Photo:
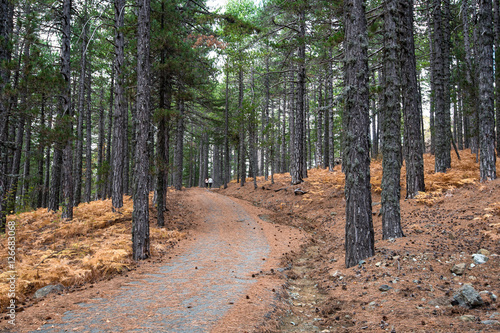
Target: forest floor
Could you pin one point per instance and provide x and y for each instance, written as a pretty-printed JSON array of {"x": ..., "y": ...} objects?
[
  {"x": 284, "y": 269},
  {"x": 408, "y": 286},
  {"x": 224, "y": 275}
]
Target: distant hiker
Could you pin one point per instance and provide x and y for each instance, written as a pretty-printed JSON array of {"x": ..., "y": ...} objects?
[
  {"x": 210, "y": 182},
  {"x": 206, "y": 182}
]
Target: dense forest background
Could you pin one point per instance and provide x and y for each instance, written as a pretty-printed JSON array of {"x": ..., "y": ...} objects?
[{"x": 105, "y": 99}]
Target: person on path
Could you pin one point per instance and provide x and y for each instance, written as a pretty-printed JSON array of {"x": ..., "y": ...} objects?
[
  {"x": 210, "y": 182},
  {"x": 206, "y": 182}
]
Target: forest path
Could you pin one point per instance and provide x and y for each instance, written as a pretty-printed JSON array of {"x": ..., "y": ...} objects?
[{"x": 209, "y": 276}]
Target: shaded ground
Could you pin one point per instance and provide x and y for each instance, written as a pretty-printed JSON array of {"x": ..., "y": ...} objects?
[
  {"x": 226, "y": 277},
  {"x": 458, "y": 217}
]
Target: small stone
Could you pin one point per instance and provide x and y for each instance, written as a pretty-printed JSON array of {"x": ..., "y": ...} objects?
[
  {"x": 467, "y": 318},
  {"x": 490, "y": 322},
  {"x": 473, "y": 278},
  {"x": 468, "y": 297},
  {"x": 458, "y": 269},
  {"x": 479, "y": 258},
  {"x": 384, "y": 287},
  {"x": 484, "y": 252},
  {"x": 492, "y": 296},
  {"x": 378, "y": 264},
  {"x": 42, "y": 292}
]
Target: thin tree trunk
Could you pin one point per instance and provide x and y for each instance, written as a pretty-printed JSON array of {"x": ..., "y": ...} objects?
[
  {"x": 67, "y": 114},
  {"x": 442, "y": 149},
  {"x": 227, "y": 164},
  {"x": 330, "y": 129},
  {"x": 88, "y": 141},
  {"x": 487, "y": 166},
  {"x": 412, "y": 126},
  {"x": 119, "y": 108},
  {"x": 242, "y": 146},
  {"x": 81, "y": 102},
  {"x": 38, "y": 198},
  {"x": 100, "y": 150},
  {"x": 179, "y": 147},
  {"x": 140, "y": 216},
  {"x": 497, "y": 69},
  {"x": 108, "y": 179},
  {"x": 6, "y": 27}
]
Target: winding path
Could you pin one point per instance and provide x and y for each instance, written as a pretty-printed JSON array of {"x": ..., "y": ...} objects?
[{"x": 193, "y": 290}]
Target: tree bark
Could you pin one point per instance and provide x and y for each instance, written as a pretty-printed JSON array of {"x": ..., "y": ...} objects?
[
  {"x": 67, "y": 114},
  {"x": 359, "y": 235},
  {"x": 88, "y": 140},
  {"x": 487, "y": 168},
  {"x": 242, "y": 143},
  {"x": 140, "y": 216},
  {"x": 391, "y": 131},
  {"x": 179, "y": 147},
  {"x": 100, "y": 150},
  {"x": 442, "y": 141},
  {"x": 6, "y": 26},
  {"x": 108, "y": 179},
  {"x": 497, "y": 69},
  {"x": 412, "y": 125},
  {"x": 119, "y": 107},
  {"x": 227, "y": 164}
]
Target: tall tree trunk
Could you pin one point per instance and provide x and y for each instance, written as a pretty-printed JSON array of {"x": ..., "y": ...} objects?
[
  {"x": 126, "y": 151},
  {"x": 140, "y": 216},
  {"x": 460, "y": 140},
  {"x": 108, "y": 179},
  {"x": 442, "y": 149},
  {"x": 227, "y": 162},
  {"x": 46, "y": 182},
  {"x": 319, "y": 128},
  {"x": 359, "y": 234},
  {"x": 497, "y": 69},
  {"x": 413, "y": 136},
  {"x": 301, "y": 100},
  {"x": 283, "y": 129},
  {"x": 6, "y": 26},
  {"x": 487, "y": 166},
  {"x": 432, "y": 96},
  {"x": 100, "y": 150},
  {"x": 160, "y": 166},
  {"x": 447, "y": 78},
  {"x": 81, "y": 111},
  {"x": 391, "y": 131},
  {"x": 67, "y": 114},
  {"x": 27, "y": 166},
  {"x": 469, "y": 98},
  {"x": 38, "y": 198},
  {"x": 119, "y": 107},
  {"x": 252, "y": 134},
  {"x": 88, "y": 140},
  {"x": 161, "y": 158},
  {"x": 242, "y": 145},
  {"x": 179, "y": 147},
  {"x": 16, "y": 160}
]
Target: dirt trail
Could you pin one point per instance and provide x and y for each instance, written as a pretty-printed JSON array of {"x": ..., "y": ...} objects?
[{"x": 219, "y": 280}]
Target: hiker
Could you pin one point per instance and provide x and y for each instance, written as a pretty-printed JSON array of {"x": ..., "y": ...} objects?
[
  {"x": 206, "y": 182},
  {"x": 210, "y": 182}
]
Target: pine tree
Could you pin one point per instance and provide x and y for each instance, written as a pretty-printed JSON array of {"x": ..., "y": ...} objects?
[
  {"x": 486, "y": 104},
  {"x": 140, "y": 217},
  {"x": 359, "y": 235}
]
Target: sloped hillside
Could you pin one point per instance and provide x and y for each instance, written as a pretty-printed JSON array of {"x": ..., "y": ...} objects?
[{"x": 409, "y": 285}]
